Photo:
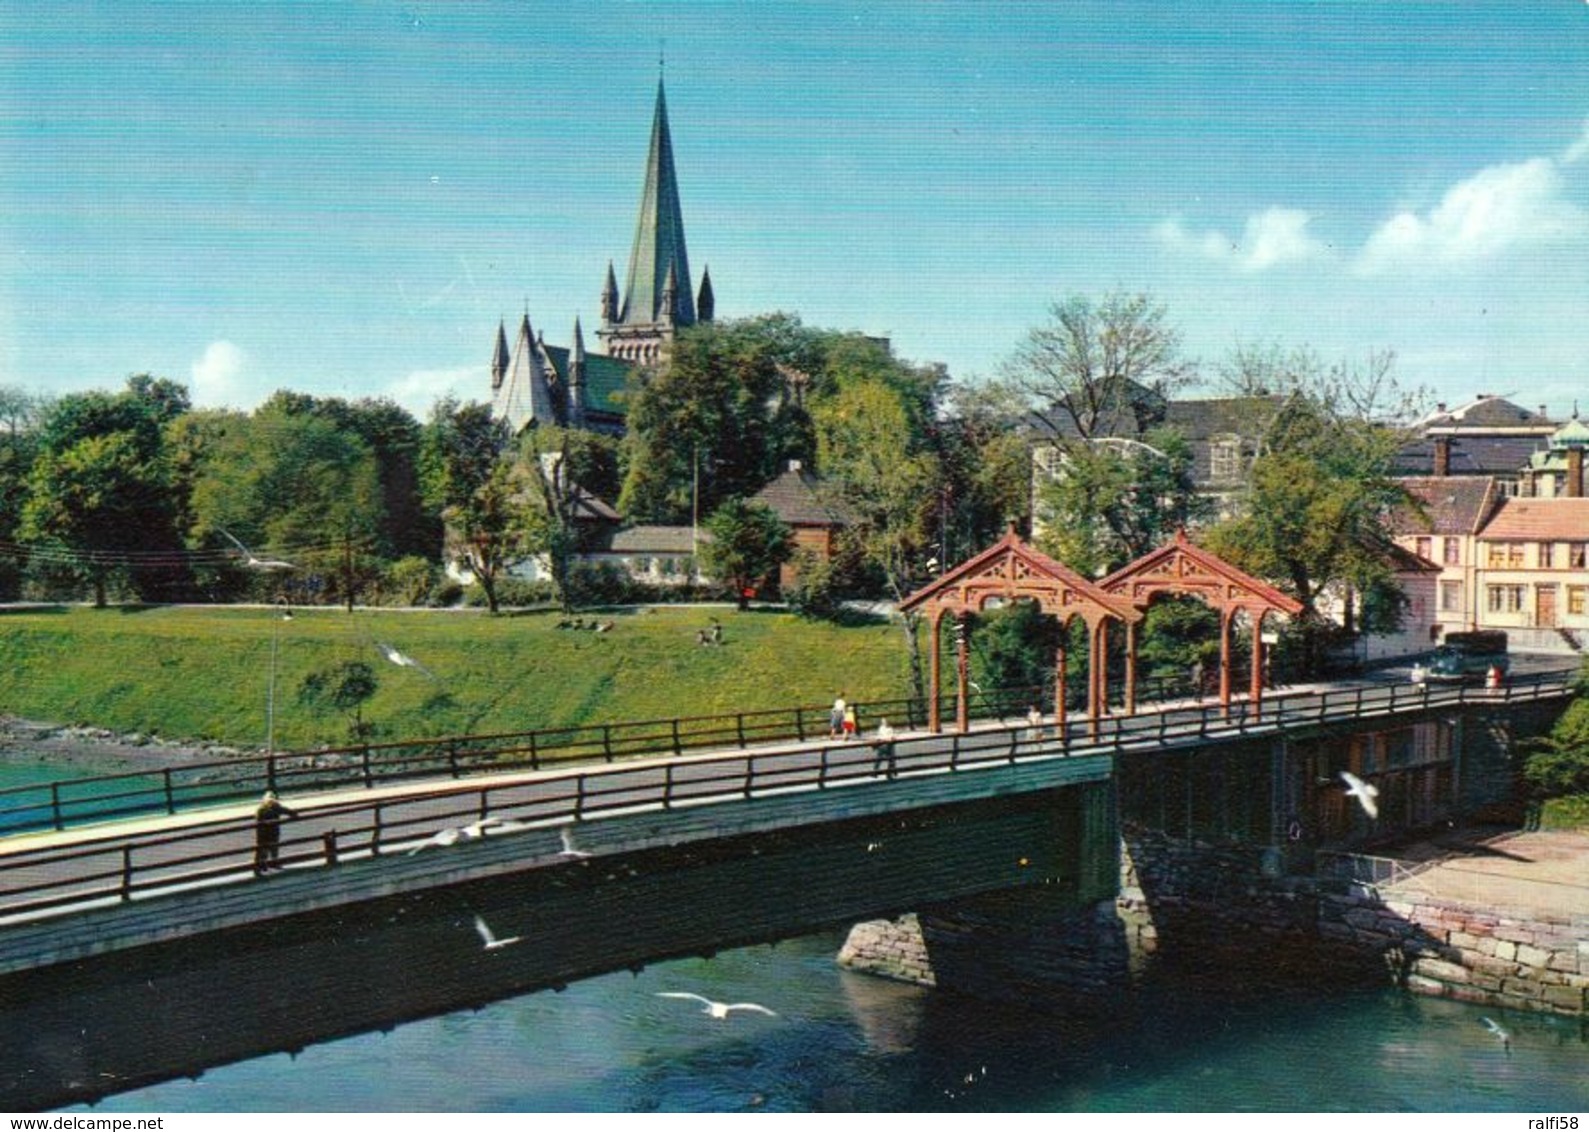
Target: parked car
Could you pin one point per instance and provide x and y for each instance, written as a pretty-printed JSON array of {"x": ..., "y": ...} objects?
[{"x": 1469, "y": 656}]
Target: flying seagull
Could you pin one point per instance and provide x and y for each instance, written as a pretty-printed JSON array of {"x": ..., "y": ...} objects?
[
  {"x": 1364, "y": 792},
  {"x": 401, "y": 659},
  {"x": 252, "y": 562},
  {"x": 1494, "y": 1028},
  {"x": 569, "y": 850},
  {"x": 489, "y": 937},
  {"x": 451, "y": 836},
  {"x": 719, "y": 1009}
]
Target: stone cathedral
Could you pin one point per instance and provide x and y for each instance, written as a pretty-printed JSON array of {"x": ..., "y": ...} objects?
[{"x": 535, "y": 382}]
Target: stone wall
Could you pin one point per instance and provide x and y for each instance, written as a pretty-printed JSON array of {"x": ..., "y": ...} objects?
[
  {"x": 1190, "y": 909},
  {"x": 1456, "y": 951}
]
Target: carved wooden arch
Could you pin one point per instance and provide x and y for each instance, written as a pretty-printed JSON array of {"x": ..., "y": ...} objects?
[
  {"x": 1012, "y": 570},
  {"x": 1182, "y": 567}
]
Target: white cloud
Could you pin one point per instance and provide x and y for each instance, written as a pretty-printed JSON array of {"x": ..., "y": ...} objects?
[
  {"x": 218, "y": 376},
  {"x": 1498, "y": 208},
  {"x": 1272, "y": 238},
  {"x": 1579, "y": 149},
  {"x": 419, "y": 390}
]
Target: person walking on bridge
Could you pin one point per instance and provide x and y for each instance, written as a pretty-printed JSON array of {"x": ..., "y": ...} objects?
[
  {"x": 883, "y": 750},
  {"x": 268, "y": 816},
  {"x": 836, "y": 718}
]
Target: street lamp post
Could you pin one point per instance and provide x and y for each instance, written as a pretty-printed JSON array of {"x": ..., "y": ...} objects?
[{"x": 283, "y": 612}]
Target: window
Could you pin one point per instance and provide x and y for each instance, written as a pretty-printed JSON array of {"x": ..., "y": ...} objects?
[
  {"x": 1450, "y": 597},
  {"x": 1575, "y": 555},
  {"x": 1453, "y": 552},
  {"x": 1505, "y": 599},
  {"x": 1424, "y": 547},
  {"x": 1224, "y": 458},
  {"x": 1578, "y": 599},
  {"x": 1547, "y": 555},
  {"x": 1505, "y": 555}
]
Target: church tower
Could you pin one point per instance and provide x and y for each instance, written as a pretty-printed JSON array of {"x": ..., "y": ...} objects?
[{"x": 657, "y": 299}]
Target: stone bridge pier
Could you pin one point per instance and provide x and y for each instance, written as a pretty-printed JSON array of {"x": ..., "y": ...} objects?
[{"x": 1225, "y": 869}]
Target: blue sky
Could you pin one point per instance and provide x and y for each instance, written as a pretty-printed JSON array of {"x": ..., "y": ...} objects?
[{"x": 345, "y": 198}]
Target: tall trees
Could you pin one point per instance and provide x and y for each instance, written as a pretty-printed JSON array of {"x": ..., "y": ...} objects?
[
  {"x": 290, "y": 479},
  {"x": 100, "y": 490},
  {"x": 885, "y": 475},
  {"x": 1316, "y": 508},
  {"x": 472, "y": 484},
  {"x": 1315, "y": 514},
  {"x": 1093, "y": 366},
  {"x": 748, "y": 543},
  {"x": 1096, "y": 378},
  {"x": 700, "y": 428},
  {"x": 1112, "y": 501},
  {"x": 19, "y": 413}
]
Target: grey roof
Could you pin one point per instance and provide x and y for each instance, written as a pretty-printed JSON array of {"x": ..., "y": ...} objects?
[
  {"x": 1485, "y": 411},
  {"x": 1476, "y": 455},
  {"x": 525, "y": 396},
  {"x": 592, "y": 508},
  {"x": 797, "y": 498},
  {"x": 659, "y": 236},
  {"x": 648, "y": 539},
  {"x": 1201, "y": 421}
]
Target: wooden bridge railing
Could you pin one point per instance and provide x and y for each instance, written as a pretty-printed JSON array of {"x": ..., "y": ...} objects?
[
  {"x": 70, "y": 802},
  {"x": 112, "y": 867}
]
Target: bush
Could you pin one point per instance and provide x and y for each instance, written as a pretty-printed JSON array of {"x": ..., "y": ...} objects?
[
  {"x": 813, "y": 593},
  {"x": 513, "y": 593},
  {"x": 408, "y": 581},
  {"x": 1560, "y": 762}
]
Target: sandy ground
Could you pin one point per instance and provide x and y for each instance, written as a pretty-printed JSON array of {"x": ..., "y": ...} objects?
[{"x": 1543, "y": 871}]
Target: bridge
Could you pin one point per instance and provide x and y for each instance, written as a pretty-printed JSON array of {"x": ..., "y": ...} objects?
[{"x": 596, "y": 865}]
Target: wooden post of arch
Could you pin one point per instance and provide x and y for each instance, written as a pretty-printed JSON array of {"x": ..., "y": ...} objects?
[
  {"x": 1255, "y": 685},
  {"x": 1225, "y": 616},
  {"x": 962, "y": 677},
  {"x": 934, "y": 714},
  {"x": 1059, "y": 685},
  {"x": 1097, "y": 675},
  {"x": 1131, "y": 668}
]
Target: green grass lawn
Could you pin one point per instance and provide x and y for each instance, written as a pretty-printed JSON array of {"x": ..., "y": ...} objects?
[{"x": 205, "y": 673}]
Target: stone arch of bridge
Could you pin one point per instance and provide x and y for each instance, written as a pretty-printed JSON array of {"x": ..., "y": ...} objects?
[
  {"x": 1183, "y": 568},
  {"x": 1011, "y": 570}
]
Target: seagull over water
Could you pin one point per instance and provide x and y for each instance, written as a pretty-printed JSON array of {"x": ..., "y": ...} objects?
[
  {"x": 1493, "y": 1027},
  {"x": 489, "y": 937},
  {"x": 569, "y": 850},
  {"x": 451, "y": 836},
  {"x": 719, "y": 1009},
  {"x": 1364, "y": 792}
]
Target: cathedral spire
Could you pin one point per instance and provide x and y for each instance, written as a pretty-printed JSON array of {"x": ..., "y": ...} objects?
[
  {"x": 576, "y": 378},
  {"x": 705, "y": 301},
  {"x": 500, "y": 359},
  {"x": 659, "y": 235},
  {"x": 609, "y": 298}
]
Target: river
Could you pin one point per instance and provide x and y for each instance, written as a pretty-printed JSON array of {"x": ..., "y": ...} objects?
[{"x": 846, "y": 1042}]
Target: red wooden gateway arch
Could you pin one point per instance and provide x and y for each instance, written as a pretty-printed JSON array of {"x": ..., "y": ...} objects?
[
  {"x": 1182, "y": 567},
  {"x": 1012, "y": 570}
]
